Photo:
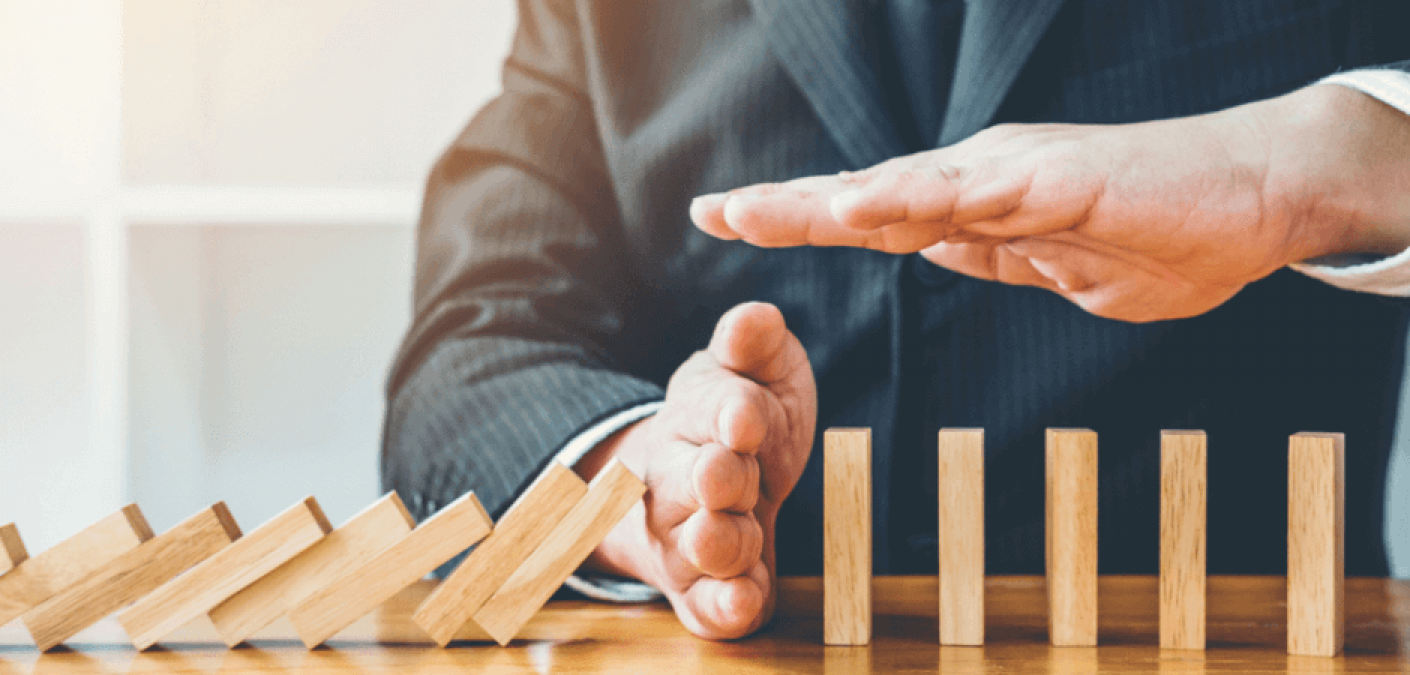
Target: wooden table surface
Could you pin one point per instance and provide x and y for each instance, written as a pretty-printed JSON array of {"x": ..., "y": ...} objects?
[{"x": 1247, "y": 632}]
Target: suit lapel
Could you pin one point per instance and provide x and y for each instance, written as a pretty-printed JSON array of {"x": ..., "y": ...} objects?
[
  {"x": 996, "y": 41},
  {"x": 821, "y": 45}
]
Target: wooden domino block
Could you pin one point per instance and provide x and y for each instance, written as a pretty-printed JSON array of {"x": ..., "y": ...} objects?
[
  {"x": 1316, "y": 544},
  {"x": 961, "y": 536},
  {"x": 847, "y": 604},
  {"x": 41, "y": 577},
  {"x": 1183, "y": 462},
  {"x": 1072, "y": 537},
  {"x": 12, "y": 551},
  {"x": 222, "y": 575},
  {"x": 609, "y": 497},
  {"x": 522, "y": 528},
  {"x": 332, "y": 608},
  {"x": 130, "y": 576},
  {"x": 352, "y": 544}
]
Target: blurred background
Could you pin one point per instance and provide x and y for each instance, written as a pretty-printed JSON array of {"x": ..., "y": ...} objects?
[{"x": 207, "y": 216}]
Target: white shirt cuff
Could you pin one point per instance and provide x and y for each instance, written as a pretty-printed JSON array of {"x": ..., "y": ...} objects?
[{"x": 1367, "y": 273}]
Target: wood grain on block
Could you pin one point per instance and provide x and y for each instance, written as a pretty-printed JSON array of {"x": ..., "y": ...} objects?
[
  {"x": 1183, "y": 475},
  {"x": 522, "y": 528},
  {"x": 1072, "y": 537},
  {"x": 358, "y": 591},
  {"x": 376, "y": 528},
  {"x": 44, "y": 575},
  {"x": 847, "y": 536},
  {"x": 609, "y": 497},
  {"x": 12, "y": 551},
  {"x": 131, "y": 575},
  {"x": 1316, "y": 544},
  {"x": 961, "y": 536}
]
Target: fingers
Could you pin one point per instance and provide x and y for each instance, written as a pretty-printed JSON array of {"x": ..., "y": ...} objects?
[
  {"x": 721, "y": 544},
  {"x": 752, "y": 340},
  {"x": 726, "y": 608},
  {"x": 724, "y": 480}
]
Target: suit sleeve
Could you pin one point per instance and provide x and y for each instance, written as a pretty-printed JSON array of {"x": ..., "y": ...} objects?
[{"x": 524, "y": 284}]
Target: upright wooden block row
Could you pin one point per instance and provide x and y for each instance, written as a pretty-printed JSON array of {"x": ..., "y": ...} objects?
[
  {"x": 612, "y": 493},
  {"x": 41, "y": 577},
  {"x": 847, "y": 604},
  {"x": 451, "y": 530},
  {"x": 1072, "y": 537},
  {"x": 130, "y": 576},
  {"x": 1183, "y": 462},
  {"x": 377, "y": 527},
  {"x": 225, "y": 573},
  {"x": 1316, "y": 544},
  {"x": 522, "y": 528},
  {"x": 12, "y": 551},
  {"x": 961, "y": 536}
]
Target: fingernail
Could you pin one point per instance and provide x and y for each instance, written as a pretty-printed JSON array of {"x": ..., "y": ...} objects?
[{"x": 709, "y": 201}]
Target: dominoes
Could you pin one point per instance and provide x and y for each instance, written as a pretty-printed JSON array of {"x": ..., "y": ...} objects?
[
  {"x": 847, "y": 604},
  {"x": 961, "y": 536},
  {"x": 1316, "y": 543},
  {"x": 456, "y": 527},
  {"x": 1183, "y": 463},
  {"x": 527, "y": 523},
  {"x": 12, "y": 551},
  {"x": 1072, "y": 537}
]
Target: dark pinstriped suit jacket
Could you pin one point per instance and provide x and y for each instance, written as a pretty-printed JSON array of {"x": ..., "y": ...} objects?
[{"x": 559, "y": 279}]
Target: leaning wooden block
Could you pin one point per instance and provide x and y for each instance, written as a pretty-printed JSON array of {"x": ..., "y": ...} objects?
[
  {"x": 1072, "y": 537},
  {"x": 12, "y": 550},
  {"x": 609, "y": 497},
  {"x": 131, "y": 575},
  {"x": 1316, "y": 544},
  {"x": 1183, "y": 472},
  {"x": 41, "y": 577},
  {"x": 847, "y": 605},
  {"x": 222, "y": 575},
  {"x": 522, "y": 528},
  {"x": 377, "y": 527},
  {"x": 346, "y": 599},
  {"x": 961, "y": 536}
]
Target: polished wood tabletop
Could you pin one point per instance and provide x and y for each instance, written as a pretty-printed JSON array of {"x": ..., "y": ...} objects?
[{"x": 1247, "y": 633}]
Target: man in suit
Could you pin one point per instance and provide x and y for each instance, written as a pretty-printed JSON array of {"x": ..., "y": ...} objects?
[{"x": 912, "y": 270}]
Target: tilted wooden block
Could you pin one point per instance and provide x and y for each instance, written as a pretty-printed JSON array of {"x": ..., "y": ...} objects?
[
  {"x": 1072, "y": 537},
  {"x": 41, "y": 577},
  {"x": 847, "y": 607},
  {"x": 522, "y": 528},
  {"x": 131, "y": 575},
  {"x": 609, "y": 497},
  {"x": 12, "y": 551},
  {"x": 1316, "y": 544},
  {"x": 961, "y": 536},
  {"x": 377, "y": 527},
  {"x": 220, "y": 576},
  {"x": 1183, "y": 474},
  {"x": 346, "y": 599}
]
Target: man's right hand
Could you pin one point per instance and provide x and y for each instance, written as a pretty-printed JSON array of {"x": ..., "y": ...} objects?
[{"x": 718, "y": 459}]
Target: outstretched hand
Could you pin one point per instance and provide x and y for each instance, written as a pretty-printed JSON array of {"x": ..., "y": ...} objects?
[{"x": 1139, "y": 222}]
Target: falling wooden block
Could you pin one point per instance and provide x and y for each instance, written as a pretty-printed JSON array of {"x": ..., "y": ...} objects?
[
  {"x": 349, "y": 597},
  {"x": 376, "y": 528},
  {"x": 609, "y": 497},
  {"x": 12, "y": 550},
  {"x": 847, "y": 536},
  {"x": 1072, "y": 537},
  {"x": 222, "y": 575},
  {"x": 1183, "y": 462},
  {"x": 1316, "y": 544},
  {"x": 131, "y": 575},
  {"x": 522, "y": 528},
  {"x": 961, "y": 536},
  {"x": 41, "y": 577}
]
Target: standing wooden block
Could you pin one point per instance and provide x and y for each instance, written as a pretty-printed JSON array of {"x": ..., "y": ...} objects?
[
  {"x": 12, "y": 550},
  {"x": 609, "y": 497},
  {"x": 41, "y": 577},
  {"x": 377, "y": 527},
  {"x": 349, "y": 597},
  {"x": 522, "y": 528},
  {"x": 961, "y": 536},
  {"x": 131, "y": 575},
  {"x": 1316, "y": 544},
  {"x": 1183, "y": 462},
  {"x": 847, "y": 536},
  {"x": 1072, "y": 537}
]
